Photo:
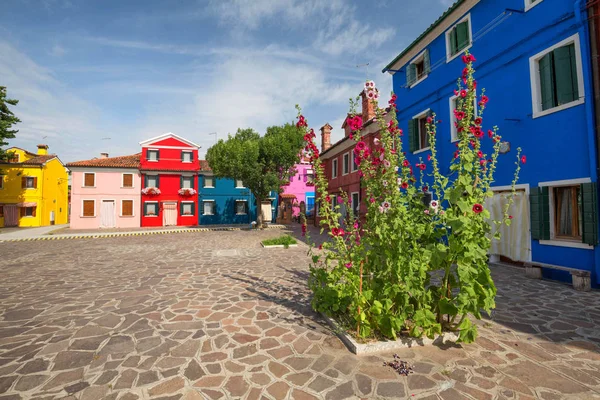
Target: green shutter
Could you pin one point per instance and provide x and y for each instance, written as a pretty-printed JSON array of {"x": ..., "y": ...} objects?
[
  {"x": 462, "y": 35},
  {"x": 411, "y": 74},
  {"x": 453, "y": 42},
  {"x": 147, "y": 154},
  {"x": 180, "y": 208},
  {"x": 145, "y": 181},
  {"x": 182, "y": 155},
  {"x": 546, "y": 65},
  {"x": 589, "y": 213},
  {"x": 539, "y": 202},
  {"x": 413, "y": 135},
  {"x": 565, "y": 71},
  {"x": 426, "y": 62},
  {"x": 145, "y": 208},
  {"x": 158, "y": 181},
  {"x": 157, "y": 155}
]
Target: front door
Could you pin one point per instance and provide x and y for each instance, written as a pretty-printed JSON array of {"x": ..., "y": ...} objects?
[
  {"x": 169, "y": 214},
  {"x": 266, "y": 211},
  {"x": 107, "y": 214},
  {"x": 11, "y": 216}
]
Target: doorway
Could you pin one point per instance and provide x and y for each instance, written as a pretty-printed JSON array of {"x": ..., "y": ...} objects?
[
  {"x": 169, "y": 214},
  {"x": 11, "y": 215},
  {"x": 107, "y": 214}
]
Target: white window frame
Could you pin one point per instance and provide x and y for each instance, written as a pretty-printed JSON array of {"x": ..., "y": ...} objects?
[
  {"x": 239, "y": 182},
  {"x": 191, "y": 180},
  {"x": 534, "y": 71},
  {"x": 417, "y": 59},
  {"x": 561, "y": 242},
  {"x": 352, "y": 205},
  {"x": 188, "y": 215},
  {"x": 529, "y": 4},
  {"x": 157, "y": 209},
  {"x": 344, "y": 171},
  {"x": 204, "y": 181},
  {"x": 212, "y": 209},
  {"x": 450, "y": 57},
  {"x": 157, "y": 155},
  {"x": 83, "y": 180},
  {"x": 191, "y": 153},
  {"x": 88, "y": 216},
  {"x": 453, "y": 129},
  {"x": 334, "y": 168},
  {"x": 353, "y": 162},
  {"x": 419, "y": 116},
  {"x": 132, "y": 209},
  {"x": 123, "y": 180},
  {"x": 247, "y": 209}
]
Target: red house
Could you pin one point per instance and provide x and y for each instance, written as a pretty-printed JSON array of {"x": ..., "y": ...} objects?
[{"x": 169, "y": 166}]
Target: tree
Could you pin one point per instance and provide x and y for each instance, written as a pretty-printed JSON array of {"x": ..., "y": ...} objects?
[
  {"x": 7, "y": 120},
  {"x": 261, "y": 162}
]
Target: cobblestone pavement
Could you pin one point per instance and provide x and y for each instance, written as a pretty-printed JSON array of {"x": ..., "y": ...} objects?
[{"x": 214, "y": 316}]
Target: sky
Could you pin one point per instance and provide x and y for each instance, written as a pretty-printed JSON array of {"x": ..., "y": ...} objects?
[{"x": 96, "y": 76}]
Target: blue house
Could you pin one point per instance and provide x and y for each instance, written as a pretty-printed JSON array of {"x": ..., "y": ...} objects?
[
  {"x": 225, "y": 201},
  {"x": 533, "y": 59}
]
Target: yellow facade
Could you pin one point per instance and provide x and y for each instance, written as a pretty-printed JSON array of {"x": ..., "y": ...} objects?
[{"x": 36, "y": 185}]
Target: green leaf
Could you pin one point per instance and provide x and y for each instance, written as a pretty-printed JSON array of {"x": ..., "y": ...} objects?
[{"x": 447, "y": 308}]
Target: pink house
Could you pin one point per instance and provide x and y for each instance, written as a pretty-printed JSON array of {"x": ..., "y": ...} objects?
[
  {"x": 301, "y": 185},
  {"x": 105, "y": 192}
]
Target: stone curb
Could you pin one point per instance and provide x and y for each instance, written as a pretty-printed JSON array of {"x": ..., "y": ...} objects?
[
  {"x": 277, "y": 246},
  {"x": 124, "y": 234},
  {"x": 388, "y": 345}
]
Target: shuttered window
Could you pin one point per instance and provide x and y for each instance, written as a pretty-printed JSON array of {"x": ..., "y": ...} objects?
[
  {"x": 417, "y": 133},
  {"x": 458, "y": 38},
  {"x": 89, "y": 208},
  {"x": 345, "y": 163},
  {"x": 209, "y": 207},
  {"x": 151, "y": 209},
  {"x": 127, "y": 180},
  {"x": 152, "y": 181},
  {"x": 28, "y": 211},
  {"x": 334, "y": 168},
  {"x": 187, "y": 182},
  {"x": 241, "y": 207},
  {"x": 152, "y": 155},
  {"x": 127, "y": 208},
  {"x": 558, "y": 77},
  {"x": 186, "y": 156},
  {"x": 418, "y": 69},
  {"x": 589, "y": 213},
  {"x": 28, "y": 182},
  {"x": 209, "y": 182},
  {"x": 89, "y": 179},
  {"x": 186, "y": 209}
]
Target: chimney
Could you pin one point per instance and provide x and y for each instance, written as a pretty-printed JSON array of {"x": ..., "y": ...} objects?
[
  {"x": 42, "y": 149},
  {"x": 346, "y": 127},
  {"x": 103, "y": 155},
  {"x": 368, "y": 107},
  {"x": 325, "y": 137}
]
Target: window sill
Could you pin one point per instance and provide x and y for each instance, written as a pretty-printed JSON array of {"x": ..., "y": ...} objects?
[
  {"x": 151, "y": 216},
  {"x": 454, "y": 140},
  {"x": 127, "y": 187},
  {"x": 538, "y": 114},
  {"x": 421, "y": 150},
  {"x": 240, "y": 187},
  {"x": 208, "y": 187},
  {"x": 531, "y": 5},
  {"x": 187, "y": 215},
  {"x": 152, "y": 160},
  {"x": 460, "y": 53},
  {"x": 418, "y": 81},
  {"x": 126, "y": 216},
  {"x": 241, "y": 214},
  {"x": 207, "y": 215},
  {"x": 87, "y": 216},
  {"x": 566, "y": 243},
  {"x": 89, "y": 187}
]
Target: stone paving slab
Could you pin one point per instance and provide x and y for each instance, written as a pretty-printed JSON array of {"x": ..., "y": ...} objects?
[{"x": 212, "y": 315}]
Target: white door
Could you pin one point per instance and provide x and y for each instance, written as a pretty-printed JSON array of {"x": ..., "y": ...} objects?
[
  {"x": 515, "y": 242},
  {"x": 266, "y": 211},
  {"x": 169, "y": 214},
  {"x": 107, "y": 214}
]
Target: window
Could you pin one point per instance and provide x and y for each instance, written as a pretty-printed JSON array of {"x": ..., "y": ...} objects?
[
  {"x": 355, "y": 197},
  {"x": 29, "y": 182},
  {"x": 334, "y": 169},
  {"x": 186, "y": 156},
  {"x": 354, "y": 164},
  {"x": 127, "y": 180},
  {"x": 310, "y": 205},
  {"x": 418, "y": 69},
  {"x": 152, "y": 181},
  {"x": 209, "y": 182},
  {"x": 453, "y": 105},
  {"x": 127, "y": 208},
  {"x": 1, "y": 212},
  {"x": 241, "y": 207},
  {"x": 187, "y": 208},
  {"x": 239, "y": 184},
  {"x": 346, "y": 164},
  {"x": 187, "y": 182},
  {"x": 89, "y": 208},
  {"x": 1, "y": 181},
  {"x": 529, "y": 4},
  {"x": 89, "y": 179},
  {"x": 417, "y": 132},
  {"x": 557, "y": 78},
  {"x": 152, "y": 155},
  {"x": 310, "y": 175},
  {"x": 567, "y": 212},
  {"x": 458, "y": 38},
  {"x": 151, "y": 209},
  {"x": 28, "y": 211},
  {"x": 209, "y": 207}
]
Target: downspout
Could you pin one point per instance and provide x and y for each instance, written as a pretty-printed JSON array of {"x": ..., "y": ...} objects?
[{"x": 582, "y": 27}]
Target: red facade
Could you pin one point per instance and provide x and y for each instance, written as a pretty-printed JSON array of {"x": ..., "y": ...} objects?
[{"x": 169, "y": 163}]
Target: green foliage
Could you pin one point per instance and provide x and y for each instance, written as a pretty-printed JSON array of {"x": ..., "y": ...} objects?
[
  {"x": 7, "y": 120},
  {"x": 412, "y": 268},
  {"x": 261, "y": 162},
  {"x": 284, "y": 240}
]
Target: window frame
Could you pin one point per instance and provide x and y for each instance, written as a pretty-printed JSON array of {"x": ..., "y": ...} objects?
[
  {"x": 82, "y": 215},
  {"x": 419, "y": 59},
  {"x": 212, "y": 207},
  {"x": 420, "y": 116},
  {"x": 27, "y": 178},
  {"x": 449, "y": 56},
  {"x": 144, "y": 210},
  {"x": 83, "y": 182},
  {"x": 334, "y": 168},
  {"x": 204, "y": 181},
  {"x": 151, "y": 175},
  {"x": 353, "y": 162},
  {"x": 148, "y": 155},
  {"x": 237, "y": 182},
  {"x": 529, "y": 4},
  {"x": 345, "y": 156},
  {"x": 355, "y": 210},
  {"x": 191, "y": 180},
  {"x": 1, "y": 182},
  {"x": 183, "y": 203},
  {"x": 536, "y": 87},
  {"x": 453, "y": 129},
  {"x": 32, "y": 212},
  {"x": 132, "y": 208},
  {"x": 246, "y": 207},
  {"x": 191, "y": 153},
  {"x": 123, "y": 181}
]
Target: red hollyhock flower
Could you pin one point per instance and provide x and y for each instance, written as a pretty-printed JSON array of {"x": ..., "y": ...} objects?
[
  {"x": 474, "y": 84},
  {"x": 465, "y": 59},
  {"x": 405, "y": 163},
  {"x": 328, "y": 199},
  {"x": 428, "y": 157},
  {"x": 523, "y": 159},
  {"x": 482, "y": 162},
  {"x": 478, "y": 133},
  {"x": 372, "y": 200},
  {"x": 404, "y": 185},
  {"x": 335, "y": 231},
  {"x": 463, "y": 93},
  {"x": 477, "y": 208},
  {"x": 465, "y": 71},
  {"x": 422, "y": 166},
  {"x": 360, "y": 145},
  {"x": 510, "y": 217},
  {"x": 429, "y": 120},
  {"x": 455, "y": 92},
  {"x": 425, "y": 189},
  {"x": 480, "y": 154},
  {"x": 478, "y": 120},
  {"x": 490, "y": 133},
  {"x": 460, "y": 115}
]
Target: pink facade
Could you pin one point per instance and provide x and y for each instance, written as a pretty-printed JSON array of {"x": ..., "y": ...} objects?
[
  {"x": 301, "y": 186},
  {"x": 115, "y": 194}
]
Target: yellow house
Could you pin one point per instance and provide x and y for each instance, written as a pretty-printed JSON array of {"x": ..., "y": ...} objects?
[{"x": 34, "y": 189}]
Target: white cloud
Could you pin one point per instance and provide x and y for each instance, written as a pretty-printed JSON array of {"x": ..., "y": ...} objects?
[{"x": 57, "y": 51}]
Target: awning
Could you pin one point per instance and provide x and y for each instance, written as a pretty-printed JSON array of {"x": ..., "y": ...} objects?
[{"x": 27, "y": 204}]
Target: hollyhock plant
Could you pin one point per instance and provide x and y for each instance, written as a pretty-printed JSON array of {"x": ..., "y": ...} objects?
[{"x": 419, "y": 254}]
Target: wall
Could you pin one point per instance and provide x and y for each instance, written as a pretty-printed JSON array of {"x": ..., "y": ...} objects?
[
  {"x": 55, "y": 192},
  {"x": 558, "y": 145},
  {"x": 224, "y": 195},
  {"x": 169, "y": 184},
  {"x": 108, "y": 187},
  {"x": 298, "y": 185},
  {"x": 14, "y": 193},
  {"x": 169, "y": 158}
]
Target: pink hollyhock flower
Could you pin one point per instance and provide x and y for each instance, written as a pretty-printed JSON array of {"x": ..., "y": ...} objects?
[
  {"x": 384, "y": 183},
  {"x": 355, "y": 225},
  {"x": 386, "y": 205},
  {"x": 386, "y": 163},
  {"x": 433, "y": 204},
  {"x": 442, "y": 212},
  {"x": 399, "y": 181},
  {"x": 523, "y": 159},
  {"x": 377, "y": 142},
  {"x": 510, "y": 217},
  {"x": 361, "y": 145},
  {"x": 463, "y": 93},
  {"x": 372, "y": 200},
  {"x": 348, "y": 265},
  {"x": 477, "y": 208},
  {"x": 381, "y": 210},
  {"x": 481, "y": 162},
  {"x": 340, "y": 199},
  {"x": 426, "y": 212}
]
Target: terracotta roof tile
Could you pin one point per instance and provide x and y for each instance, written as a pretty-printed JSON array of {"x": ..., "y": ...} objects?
[
  {"x": 131, "y": 161},
  {"x": 204, "y": 166},
  {"x": 39, "y": 160}
]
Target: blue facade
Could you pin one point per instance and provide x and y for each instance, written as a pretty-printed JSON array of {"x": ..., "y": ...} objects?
[
  {"x": 560, "y": 146},
  {"x": 224, "y": 196}
]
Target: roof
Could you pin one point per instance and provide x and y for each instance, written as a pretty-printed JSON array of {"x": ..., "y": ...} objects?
[
  {"x": 39, "y": 160},
  {"x": 204, "y": 166},
  {"x": 287, "y": 196},
  {"x": 418, "y": 39},
  {"x": 166, "y": 136},
  {"x": 23, "y": 150},
  {"x": 131, "y": 161}
]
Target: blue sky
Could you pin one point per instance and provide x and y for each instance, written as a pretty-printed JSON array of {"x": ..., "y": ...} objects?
[{"x": 102, "y": 75}]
